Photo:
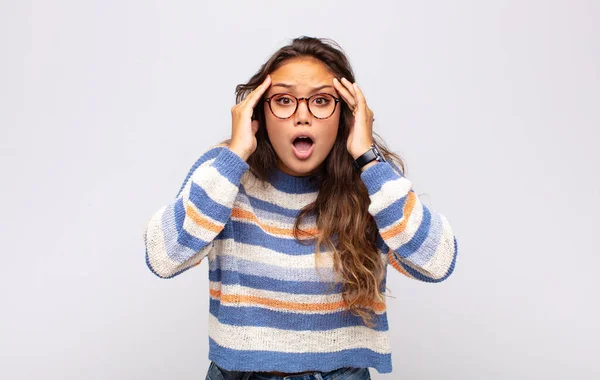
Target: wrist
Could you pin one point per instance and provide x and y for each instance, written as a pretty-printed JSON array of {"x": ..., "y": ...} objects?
[
  {"x": 367, "y": 158},
  {"x": 368, "y": 165},
  {"x": 360, "y": 151},
  {"x": 243, "y": 154}
]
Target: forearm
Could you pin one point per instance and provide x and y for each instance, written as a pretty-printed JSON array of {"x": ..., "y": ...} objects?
[
  {"x": 421, "y": 241},
  {"x": 179, "y": 235}
]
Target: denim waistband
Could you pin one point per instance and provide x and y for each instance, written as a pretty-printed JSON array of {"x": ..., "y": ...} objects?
[{"x": 345, "y": 373}]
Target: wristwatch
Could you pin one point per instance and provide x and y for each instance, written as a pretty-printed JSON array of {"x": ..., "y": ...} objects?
[{"x": 371, "y": 155}]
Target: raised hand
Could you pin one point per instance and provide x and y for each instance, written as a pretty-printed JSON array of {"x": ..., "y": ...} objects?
[
  {"x": 243, "y": 128},
  {"x": 361, "y": 132}
]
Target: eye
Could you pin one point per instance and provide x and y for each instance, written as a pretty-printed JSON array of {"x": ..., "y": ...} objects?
[
  {"x": 322, "y": 100},
  {"x": 284, "y": 100}
]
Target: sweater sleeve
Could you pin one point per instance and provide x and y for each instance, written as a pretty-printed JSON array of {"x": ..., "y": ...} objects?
[
  {"x": 420, "y": 241},
  {"x": 180, "y": 234}
]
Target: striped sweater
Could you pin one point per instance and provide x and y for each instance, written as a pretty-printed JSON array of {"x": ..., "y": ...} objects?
[{"x": 271, "y": 305}]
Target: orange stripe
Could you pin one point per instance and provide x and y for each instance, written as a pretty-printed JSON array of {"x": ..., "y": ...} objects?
[
  {"x": 249, "y": 216},
  {"x": 198, "y": 263},
  {"x": 394, "y": 263},
  {"x": 241, "y": 214},
  {"x": 201, "y": 221},
  {"x": 332, "y": 306},
  {"x": 408, "y": 209}
]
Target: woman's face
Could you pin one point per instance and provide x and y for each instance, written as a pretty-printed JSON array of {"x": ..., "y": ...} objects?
[{"x": 301, "y": 77}]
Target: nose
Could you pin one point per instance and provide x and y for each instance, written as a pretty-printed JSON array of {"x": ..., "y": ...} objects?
[{"x": 302, "y": 115}]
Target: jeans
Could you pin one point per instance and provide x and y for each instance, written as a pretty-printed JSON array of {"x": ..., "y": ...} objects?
[{"x": 345, "y": 373}]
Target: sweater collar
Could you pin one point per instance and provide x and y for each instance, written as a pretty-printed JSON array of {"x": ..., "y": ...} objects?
[{"x": 292, "y": 184}]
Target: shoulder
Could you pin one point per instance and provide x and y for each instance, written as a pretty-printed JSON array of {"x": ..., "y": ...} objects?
[
  {"x": 206, "y": 157},
  {"x": 209, "y": 154}
]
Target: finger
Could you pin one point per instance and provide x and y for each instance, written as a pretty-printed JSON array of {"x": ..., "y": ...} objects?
[
  {"x": 349, "y": 85},
  {"x": 346, "y": 95},
  {"x": 253, "y": 98},
  {"x": 362, "y": 102},
  {"x": 259, "y": 91}
]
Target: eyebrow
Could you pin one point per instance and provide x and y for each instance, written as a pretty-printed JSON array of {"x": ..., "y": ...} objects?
[{"x": 294, "y": 86}]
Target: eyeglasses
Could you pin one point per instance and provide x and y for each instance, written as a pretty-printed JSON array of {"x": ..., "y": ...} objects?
[{"x": 284, "y": 105}]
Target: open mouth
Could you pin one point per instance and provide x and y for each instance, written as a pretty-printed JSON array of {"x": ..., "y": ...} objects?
[
  {"x": 303, "y": 144},
  {"x": 303, "y": 147}
]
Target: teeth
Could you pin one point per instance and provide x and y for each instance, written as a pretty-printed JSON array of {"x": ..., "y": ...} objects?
[{"x": 303, "y": 137}]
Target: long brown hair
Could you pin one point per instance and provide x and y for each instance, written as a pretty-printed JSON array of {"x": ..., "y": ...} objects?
[{"x": 344, "y": 224}]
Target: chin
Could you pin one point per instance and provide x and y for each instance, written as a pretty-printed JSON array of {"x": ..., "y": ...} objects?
[{"x": 299, "y": 167}]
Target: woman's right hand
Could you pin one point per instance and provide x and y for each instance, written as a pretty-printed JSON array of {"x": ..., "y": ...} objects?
[{"x": 243, "y": 128}]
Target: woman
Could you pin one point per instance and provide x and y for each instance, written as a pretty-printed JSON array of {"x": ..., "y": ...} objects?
[{"x": 299, "y": 213}]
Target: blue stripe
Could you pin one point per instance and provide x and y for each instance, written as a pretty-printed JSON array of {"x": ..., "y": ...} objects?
[
  {"x": 147, "y": 259},
  {"x": 413, "y": 245},
  {"x": 434, "y": 236},
  {"x": 165, "y": 277},
  {"x": 392, "y": 213},
  {"x": 176, "y": 240},
  {"x": 289, "y": 320},
  {"x": 230, "y": 166},
  {"x": 250, "y": 233},
  {"x": 377, "y": 175},
  {"x": 206, "y": 205},
  {"x": 417, "y": 275},
  {"x": 270, "y": 207},
  {"x": 272, "y": 271},
  {"x": 248, "y": 360},
  {"x": 227, "y": 277},
  {"x": 210, "y": 154},
  {"x": 183, "y": 237},
  {"x": 269, "y": 216}
]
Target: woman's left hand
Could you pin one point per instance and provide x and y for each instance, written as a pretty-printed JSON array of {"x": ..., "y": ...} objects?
[{"x": 361, "y": 132}]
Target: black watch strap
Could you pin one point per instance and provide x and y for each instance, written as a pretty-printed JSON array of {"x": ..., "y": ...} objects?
[{"x": 371, "y": 155}]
